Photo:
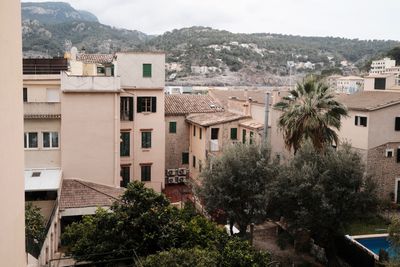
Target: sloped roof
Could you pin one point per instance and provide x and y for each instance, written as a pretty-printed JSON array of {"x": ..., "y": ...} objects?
[
  {"x": 223, "y": 96},
  {"x": 252, "y": 124},
  {"x": 81, "y": 194},
  {"x": 96, "y": 58},
  {"x": 209, "y": 119},
  {"x": 186, "y": 104},
  {"x": 369, "y": 100}
]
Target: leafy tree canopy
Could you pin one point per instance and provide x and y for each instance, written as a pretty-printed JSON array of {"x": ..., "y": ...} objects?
[
  {"x": 322, "y": 192},
  {"x": 236, "y": 183},
  {"x": 34, "y": 227}
]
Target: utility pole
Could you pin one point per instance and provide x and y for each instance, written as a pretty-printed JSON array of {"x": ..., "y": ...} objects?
[{"x": 265, "y": 134}]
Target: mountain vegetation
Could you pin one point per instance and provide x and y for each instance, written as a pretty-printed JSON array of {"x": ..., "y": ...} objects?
[{"x": 204, "y": 56}]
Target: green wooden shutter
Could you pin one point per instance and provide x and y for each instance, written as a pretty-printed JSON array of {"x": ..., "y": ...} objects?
[
  {"x": 172, "y": 126},
  {"x": 146, "y": 70},
  {"x": 139, "y": 107},
  {"x": 131, "y": 108},
  {"x": 233, "y": 133},
  {"x": 154, "y": 104}
]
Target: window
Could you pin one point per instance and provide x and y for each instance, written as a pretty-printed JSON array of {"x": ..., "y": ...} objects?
[
  {"x": 25, "y": 94},
  {"x": 146, "y": 139},
  {"x": 31, "y": 140},
  {"x": 360, "y": 121},
  {"x": 251, "y": 137},
  {"x": 194, "y": 161},
  {"x": 172, "y": 127},
  {"x": 397, "y": 124},
  {"x": 146, "y": 104},
  {"x": 185, "y": 158},
  {"x": 200, "y": 166},
  {"x": 125, "y": 144},
  {"x": 194, "y": 130},
  {"x": 380, "y": 84},
  {"x": 126, "y": 109},
  {"x": 147, "y": 70},
  {"x": 125, "y": 175},
  {"x": 50, "y": 139},
  {"x": 398, "y": 154},
  {"x": 145, "y": 173},
  {"x": 200, "y": 133},
  {"x": 101, "y": 70},
  {"x": 244, "y": 136},
  {"x": 233, "y": 133},
  {"x": 53, "y": 95},
  {"x": 214, "y": 133},
  {"x": 389, "y": 153}
]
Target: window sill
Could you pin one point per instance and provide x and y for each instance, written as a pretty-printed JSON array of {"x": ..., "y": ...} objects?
[
  {"x": 51, "y": 148},
  {"x": 146, "y": 112},
  {"x": 146, "y": 149}
]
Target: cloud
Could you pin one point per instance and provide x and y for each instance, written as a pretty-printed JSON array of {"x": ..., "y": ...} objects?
[{"x": 364, "y": 19}]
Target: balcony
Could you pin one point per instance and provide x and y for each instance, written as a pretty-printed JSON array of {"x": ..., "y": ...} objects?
[
  {"x": 88, "y": 84},
  {"x": 42, "y": 110}
]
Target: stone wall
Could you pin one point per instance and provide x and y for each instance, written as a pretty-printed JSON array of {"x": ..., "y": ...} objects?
[
  {"x": 384, "y": 169},
  {"x": 176, "y": 143}
]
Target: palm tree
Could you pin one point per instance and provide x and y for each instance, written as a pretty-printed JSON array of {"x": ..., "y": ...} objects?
[{"x": 310, "y": 112}]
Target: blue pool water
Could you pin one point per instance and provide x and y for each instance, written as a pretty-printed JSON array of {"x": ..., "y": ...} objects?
[{"x": 376, "y": 243}]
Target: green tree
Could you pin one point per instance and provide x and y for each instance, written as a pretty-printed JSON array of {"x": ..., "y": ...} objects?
[
  {"x": 310, "y": 112},
  {"x": 394, "y": 239},
  {"x": 34, "y": 227},
  {"x": 322, "y": 192},
  {"x": 395, "y": 54},
  {"x": 236, "y": 183}
]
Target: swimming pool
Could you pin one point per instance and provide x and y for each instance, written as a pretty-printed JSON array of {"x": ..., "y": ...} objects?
[{"x": 374, "y": 244}]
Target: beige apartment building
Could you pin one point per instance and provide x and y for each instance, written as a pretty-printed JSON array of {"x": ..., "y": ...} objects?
[
  {"x": 177, "y": 131},
  {"x": 373, "y": 129},
  {"x": 12, "y": 237}
]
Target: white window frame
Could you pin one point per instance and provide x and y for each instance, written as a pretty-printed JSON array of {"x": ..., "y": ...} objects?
[
  {"x": 395, "y": 189},
  {"x": 389, "y": 150},
  {"x": 51, "y": 141},
  {"x": 26, "y": 136},
  {"x": 358, "y": 123},
  {"x": 147, "y": 105}
]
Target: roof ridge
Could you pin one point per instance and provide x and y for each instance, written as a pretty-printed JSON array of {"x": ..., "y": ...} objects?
[{"x": 84, "y": 184}]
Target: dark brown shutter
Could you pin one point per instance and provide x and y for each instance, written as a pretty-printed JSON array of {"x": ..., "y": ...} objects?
[
  {"x": 131, "y": 108},
  {"x": 398, "y": 155},
  {"x": 139, "y": 104},
  {"x": 154, "y": 104},
  {"x": 397, "y": 124}
]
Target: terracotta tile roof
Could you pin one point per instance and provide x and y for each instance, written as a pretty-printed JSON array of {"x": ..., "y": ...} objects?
[
  {"x": 252, "y": 124},
  {"x": 209, "y": 119},
  {"x": 96, "y": 58},
  {"x": 369, "y": 100},
  {"x": 186, "y": 104},
  {"x": 256, "y": 95},
  {"x": 81, "y": 194}
]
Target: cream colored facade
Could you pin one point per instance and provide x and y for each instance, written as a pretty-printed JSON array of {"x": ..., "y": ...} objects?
[
  {"x": 380, "y": 66},
  {"x": 90, "y": 128},
  {"x": 12, "y": 234},
  {"x": 129, "y": 66}
]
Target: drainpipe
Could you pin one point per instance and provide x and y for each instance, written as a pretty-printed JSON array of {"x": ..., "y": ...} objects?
[{"x": 265, "y": 135}]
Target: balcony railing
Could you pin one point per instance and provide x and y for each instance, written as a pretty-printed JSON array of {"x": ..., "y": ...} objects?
[
  {"x": 71, "y": 83},
  {"x": 42, "y": 109}
]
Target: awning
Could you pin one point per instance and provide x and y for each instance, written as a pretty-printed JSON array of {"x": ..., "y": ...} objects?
[{"x": 42, "y": 179}]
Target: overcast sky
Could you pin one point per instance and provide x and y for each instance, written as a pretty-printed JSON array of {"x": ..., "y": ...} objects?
[{"x": 364, "y": 19}]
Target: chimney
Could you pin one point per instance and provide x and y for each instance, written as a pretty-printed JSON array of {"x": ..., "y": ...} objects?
[{"x": 247, "y": 104}]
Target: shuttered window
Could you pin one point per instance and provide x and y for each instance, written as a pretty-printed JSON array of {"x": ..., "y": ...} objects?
[
  {"x": 146, "y": 139},
  {"x": 146, "y": 104},
  {"x": 233, "y": 133},
  {"x": 398, "y": 155},
  {"x": 146, "y": 70},
  {"x": 125, "y": 175},
  {"x": 172, "y": 127},
  {"x": 126, "y": 109},
  {"x": 145, "y": 173},
  {"x": 125, "y": 144},
  {"x": 185, "y": 158}
]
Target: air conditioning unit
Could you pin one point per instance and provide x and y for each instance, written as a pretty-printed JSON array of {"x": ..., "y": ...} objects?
[
  {"x": 177, "y": 179},
  {"x": 182, "y": 171},
  {"x": 171, "y": 180},
  {"x": 181, "y": 179},
  {"x": 171, "y": 172}
]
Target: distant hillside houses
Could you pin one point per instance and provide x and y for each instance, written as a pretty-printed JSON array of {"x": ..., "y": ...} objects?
[{"x": 204, "y": 69}]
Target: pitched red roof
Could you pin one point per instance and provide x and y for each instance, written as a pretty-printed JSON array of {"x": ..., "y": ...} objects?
[
  {"x": 186, "y": 104},
  {"x": 82, "y": 194},
  {"x": 96, "y": 58}
]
